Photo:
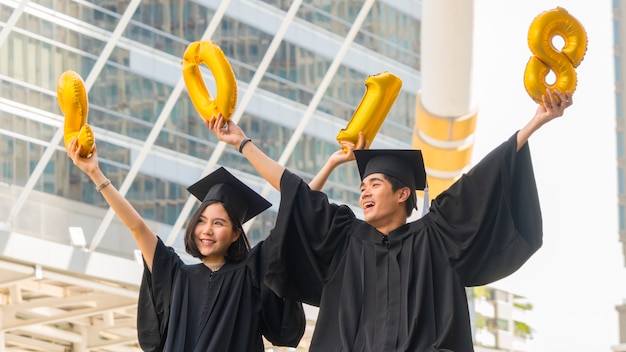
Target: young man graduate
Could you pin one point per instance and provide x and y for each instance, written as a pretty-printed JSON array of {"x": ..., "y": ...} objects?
[{"x": 387, "y": 285}]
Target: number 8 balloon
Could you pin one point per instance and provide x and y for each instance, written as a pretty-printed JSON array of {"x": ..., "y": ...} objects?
[{"x": 546, "y": 57}]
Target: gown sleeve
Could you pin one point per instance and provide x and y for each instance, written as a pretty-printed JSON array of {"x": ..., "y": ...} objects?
[
  {"x": 153, "y": 309},
  {"x": 309, "y": 235},
  {"x": 489, "y": 221},
  {"x": 282, "y": 320}
]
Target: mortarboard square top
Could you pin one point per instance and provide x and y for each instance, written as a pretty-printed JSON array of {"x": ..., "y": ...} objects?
[
  {"x": 407, "y": 165},
  {"x": 222, "y": 186}
]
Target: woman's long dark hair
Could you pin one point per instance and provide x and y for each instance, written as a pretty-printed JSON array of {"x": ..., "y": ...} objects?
[{"x": 237, "y": 251}]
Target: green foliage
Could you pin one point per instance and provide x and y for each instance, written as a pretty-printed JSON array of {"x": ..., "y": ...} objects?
[
  {"x": 481, "y": 321},
  {"x": 523, "y": 306},
  {"x": 482, "y": 291},
  {"x": 523, "y": 330}
]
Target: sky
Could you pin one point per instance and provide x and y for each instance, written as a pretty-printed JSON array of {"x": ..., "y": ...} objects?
[{"x": 578, "y": 277}]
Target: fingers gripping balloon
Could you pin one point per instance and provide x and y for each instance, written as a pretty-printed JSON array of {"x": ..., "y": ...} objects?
[
  {"x": 380, "y": 93},
  {"x": 72, "y": 99},
  {"x": 208, "y": 53},
  {"x": 548, "y": 58}
]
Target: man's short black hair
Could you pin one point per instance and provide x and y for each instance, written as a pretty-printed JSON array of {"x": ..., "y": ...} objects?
[{"x": 396, "y": 184}]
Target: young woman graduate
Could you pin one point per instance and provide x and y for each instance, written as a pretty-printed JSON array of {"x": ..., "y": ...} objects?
[
  {"x": 383, "y": 284},
  {"x": 220, "y": 304}
]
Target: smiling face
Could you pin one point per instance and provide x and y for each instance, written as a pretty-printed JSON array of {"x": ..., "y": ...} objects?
[
  {"x": 382, "y": 207},
  {"x": 214, "y": 232}
]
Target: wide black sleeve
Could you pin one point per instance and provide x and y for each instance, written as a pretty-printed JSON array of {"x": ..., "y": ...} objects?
[
  {"x": 153, "y": 309},
  {"x": 310, "y": 234},
  {"x": 282, "y": 320},
  {"x": 490, "y": 219}
]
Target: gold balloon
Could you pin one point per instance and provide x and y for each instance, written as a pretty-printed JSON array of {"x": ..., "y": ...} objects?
[
  {"x": 208, "y": 53},
  {"x": 73, "y": 102},
  {"x": 381, "y": 91},
  {"x": 547, "y": 58}
]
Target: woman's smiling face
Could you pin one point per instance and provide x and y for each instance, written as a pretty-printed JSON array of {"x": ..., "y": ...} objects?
[{"x": 214, "y": 233}]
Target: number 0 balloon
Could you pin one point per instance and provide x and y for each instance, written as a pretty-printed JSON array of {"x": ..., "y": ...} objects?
[
  {"x": 546, "y": 57},
  {"x": 208, "y": 53}
]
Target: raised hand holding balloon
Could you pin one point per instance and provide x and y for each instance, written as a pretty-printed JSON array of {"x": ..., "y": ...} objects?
[
  {"x": 210, "y": 54},
  {"x": 72, "y": 99},
  {"x": 381, "y": 91},
  {"x": 546, "y": 57}
]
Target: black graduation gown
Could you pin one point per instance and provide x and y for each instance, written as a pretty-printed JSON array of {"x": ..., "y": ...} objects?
[
  {"x": 406, "y": 293},
  {"x": 190, "y": 308}
]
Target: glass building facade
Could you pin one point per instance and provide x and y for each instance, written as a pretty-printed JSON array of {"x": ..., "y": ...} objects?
[
  {"x": 299, "y": 78},
  {"x": 131, "y": 80},
  {"x": 619, "y": 18}
]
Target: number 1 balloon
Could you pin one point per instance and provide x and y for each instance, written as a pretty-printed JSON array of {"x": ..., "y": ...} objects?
[{"x": 380, "y": 93}]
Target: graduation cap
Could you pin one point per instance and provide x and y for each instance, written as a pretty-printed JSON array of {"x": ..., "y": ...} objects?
[
  {"x": 407, "y": 165},
  {"x": 222, "y": 186}
]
